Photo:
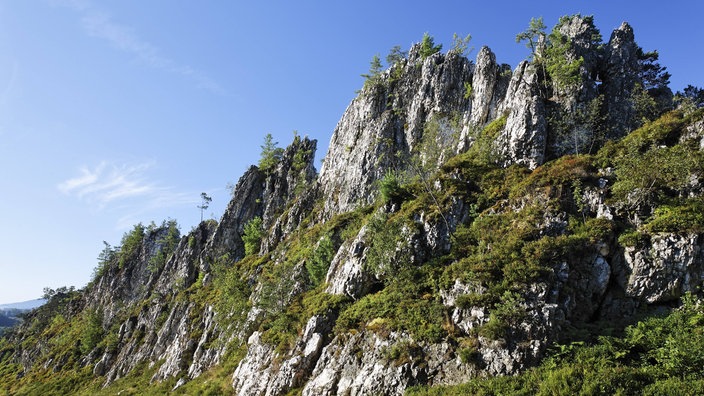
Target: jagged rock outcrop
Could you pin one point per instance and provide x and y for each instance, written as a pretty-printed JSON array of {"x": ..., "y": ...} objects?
[
  {"x": 163, "y": 328},
  {"x": 382, "y": 126},
  {"x": 664, "y": 269},
  {"x": 619, "y": 79},
  {"x": 264, "y": 371},
  {"x": 267, "y": 195},
  {"x": 489, "y": 86},
  {"x": 243, "y": 207},
  {"x": 346, "y": 275},
  {"x": 369, "y": 364},
  {"x": 523, "y": 139}
]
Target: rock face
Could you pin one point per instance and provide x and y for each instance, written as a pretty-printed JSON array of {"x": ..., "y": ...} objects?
[
  {"x": 489, "y": 90},
  {"x": 266, "y": 372},
  {"x": 620, "y": 76},
  {"x": 523, "y": 139},
  {"x": 346, "y": 275},
  {"x": 381, "y": 127},
  {"x": 665, "y": 269}
]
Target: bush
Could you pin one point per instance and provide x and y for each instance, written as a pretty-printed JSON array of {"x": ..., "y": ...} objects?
[
  {"x": 91, "y": 330},
  {"x": 391, "y": 189},
  {"x": 428, "y": 47},
  {"x": 131, "y": 245},
  {"x": 507, "y": 314},
  {"x": 252, "y": 236},
  {"x": 166, "y": 244},
  {"x": 632, "y": 238},
  {"x": 688, "y": 217},
  {"x": 649, "y": 177},
  {"x": 407, "y": 303},
  {"x": 317, "y": 266},
  {"x": 270, "y": 155}
]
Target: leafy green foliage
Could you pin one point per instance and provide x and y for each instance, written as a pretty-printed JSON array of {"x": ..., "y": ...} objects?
[
  {"x": 270, "y": 154},
  {"x": 319, "y": 263},
  {"x": 534, "y": 35},
  {"x": 252, "y": 236},
  {"x": 460, "y": 45},
  {"x": 659, "y": 355},
  {"x": 482, "y": 150},
  {"x": 683, "y": 218},
  {"x": 167, "y": 244},
  {"x": 131, "y": 245},
  {"x": 391, "y": 189},
  {"x": 388, "y": 248},
  {"x": 232, "y": 290},
  {"x": 581, "y": 130},
  {"x": 92, "y": 330},
  {"x": 632, "y": 238},
  {"x": 506, "y": 314},
  {"x": 204, "y": 203},
  {"x": 562, "y": 67},
  {"x": 440, "y": 138},
  {"x": 428, "y": 47},
  {"x": 396, "y": 55},
  {"x": 407, "y": 303},
  {"x": 467, "y": 89},
  {"x": 654, "y": 77},
  {"x": 106, "y": 259},
  {"x": 638, "y": 184},
  {"x": 373, "y": 77},
  {"x": 691, "y": 95}
]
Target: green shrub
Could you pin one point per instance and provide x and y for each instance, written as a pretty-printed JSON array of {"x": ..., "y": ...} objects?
[
  {"x": 507, "y": 314},
  {"x": 688, "y": 217},
  {"x": 91, "y": 330},
  {"x": 373, "y": 77},
  {"x": 270, "y": 155},
  {"x": 407, "y": 303},
  {"x": 317, "y": 266},
  {"x": 657, "y": 356},
  {"x": 467, "y": 90},
  {"x": 167, "y": 245},
  {"x": 482, "y": 150},
  {"x": 428, "y": 47},
  {"x": 252, "y": 236},
  {"x": 131, "y": 245},
  {"x": 632, "y": 238},
  {"x": 647, "y": 178},
  {"x": 106, "y": 259},
  {"x": 666, "y": 130},
  {"x": 232, "y": 291},
  {"x": 469, "y": 351},
  {"x": 391, "y": 189}
]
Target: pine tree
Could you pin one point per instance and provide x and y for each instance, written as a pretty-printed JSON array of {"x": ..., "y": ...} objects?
[
  {"x": 271, "y": 154},
  {"x": 428, "y": 47}
]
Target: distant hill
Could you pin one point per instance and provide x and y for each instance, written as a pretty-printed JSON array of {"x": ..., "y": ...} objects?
[
  {"x": 6, "y": 320},
  {"x": 9, "y": 312},
  {"x": 24, "y": 305}
]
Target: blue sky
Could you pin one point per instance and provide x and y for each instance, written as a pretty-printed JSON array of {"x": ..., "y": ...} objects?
[{"x": 117, "y": 112}]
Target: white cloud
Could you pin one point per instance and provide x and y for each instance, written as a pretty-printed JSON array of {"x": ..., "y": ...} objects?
[
  {"x": 99, "y": 24},
  {"x": 126, "y": 185}
]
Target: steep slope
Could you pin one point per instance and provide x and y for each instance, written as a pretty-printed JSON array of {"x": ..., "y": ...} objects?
[{"x": 465, "y": 218}]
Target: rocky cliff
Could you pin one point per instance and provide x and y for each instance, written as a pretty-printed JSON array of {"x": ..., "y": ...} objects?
[{"x": 465, "y": 218}]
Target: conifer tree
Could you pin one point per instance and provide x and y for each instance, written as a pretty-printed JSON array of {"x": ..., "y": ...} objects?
[{"x": 271, "y": 154}]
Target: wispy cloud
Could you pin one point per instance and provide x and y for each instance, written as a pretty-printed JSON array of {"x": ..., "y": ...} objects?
[
  {"x": 124, "y": 185},
  {"x": 106, "y": 183},
  {"x": 100, "y": 24}
]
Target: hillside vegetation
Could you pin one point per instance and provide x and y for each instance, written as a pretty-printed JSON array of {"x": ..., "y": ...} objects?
[{"x": 472, "y": 231}]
